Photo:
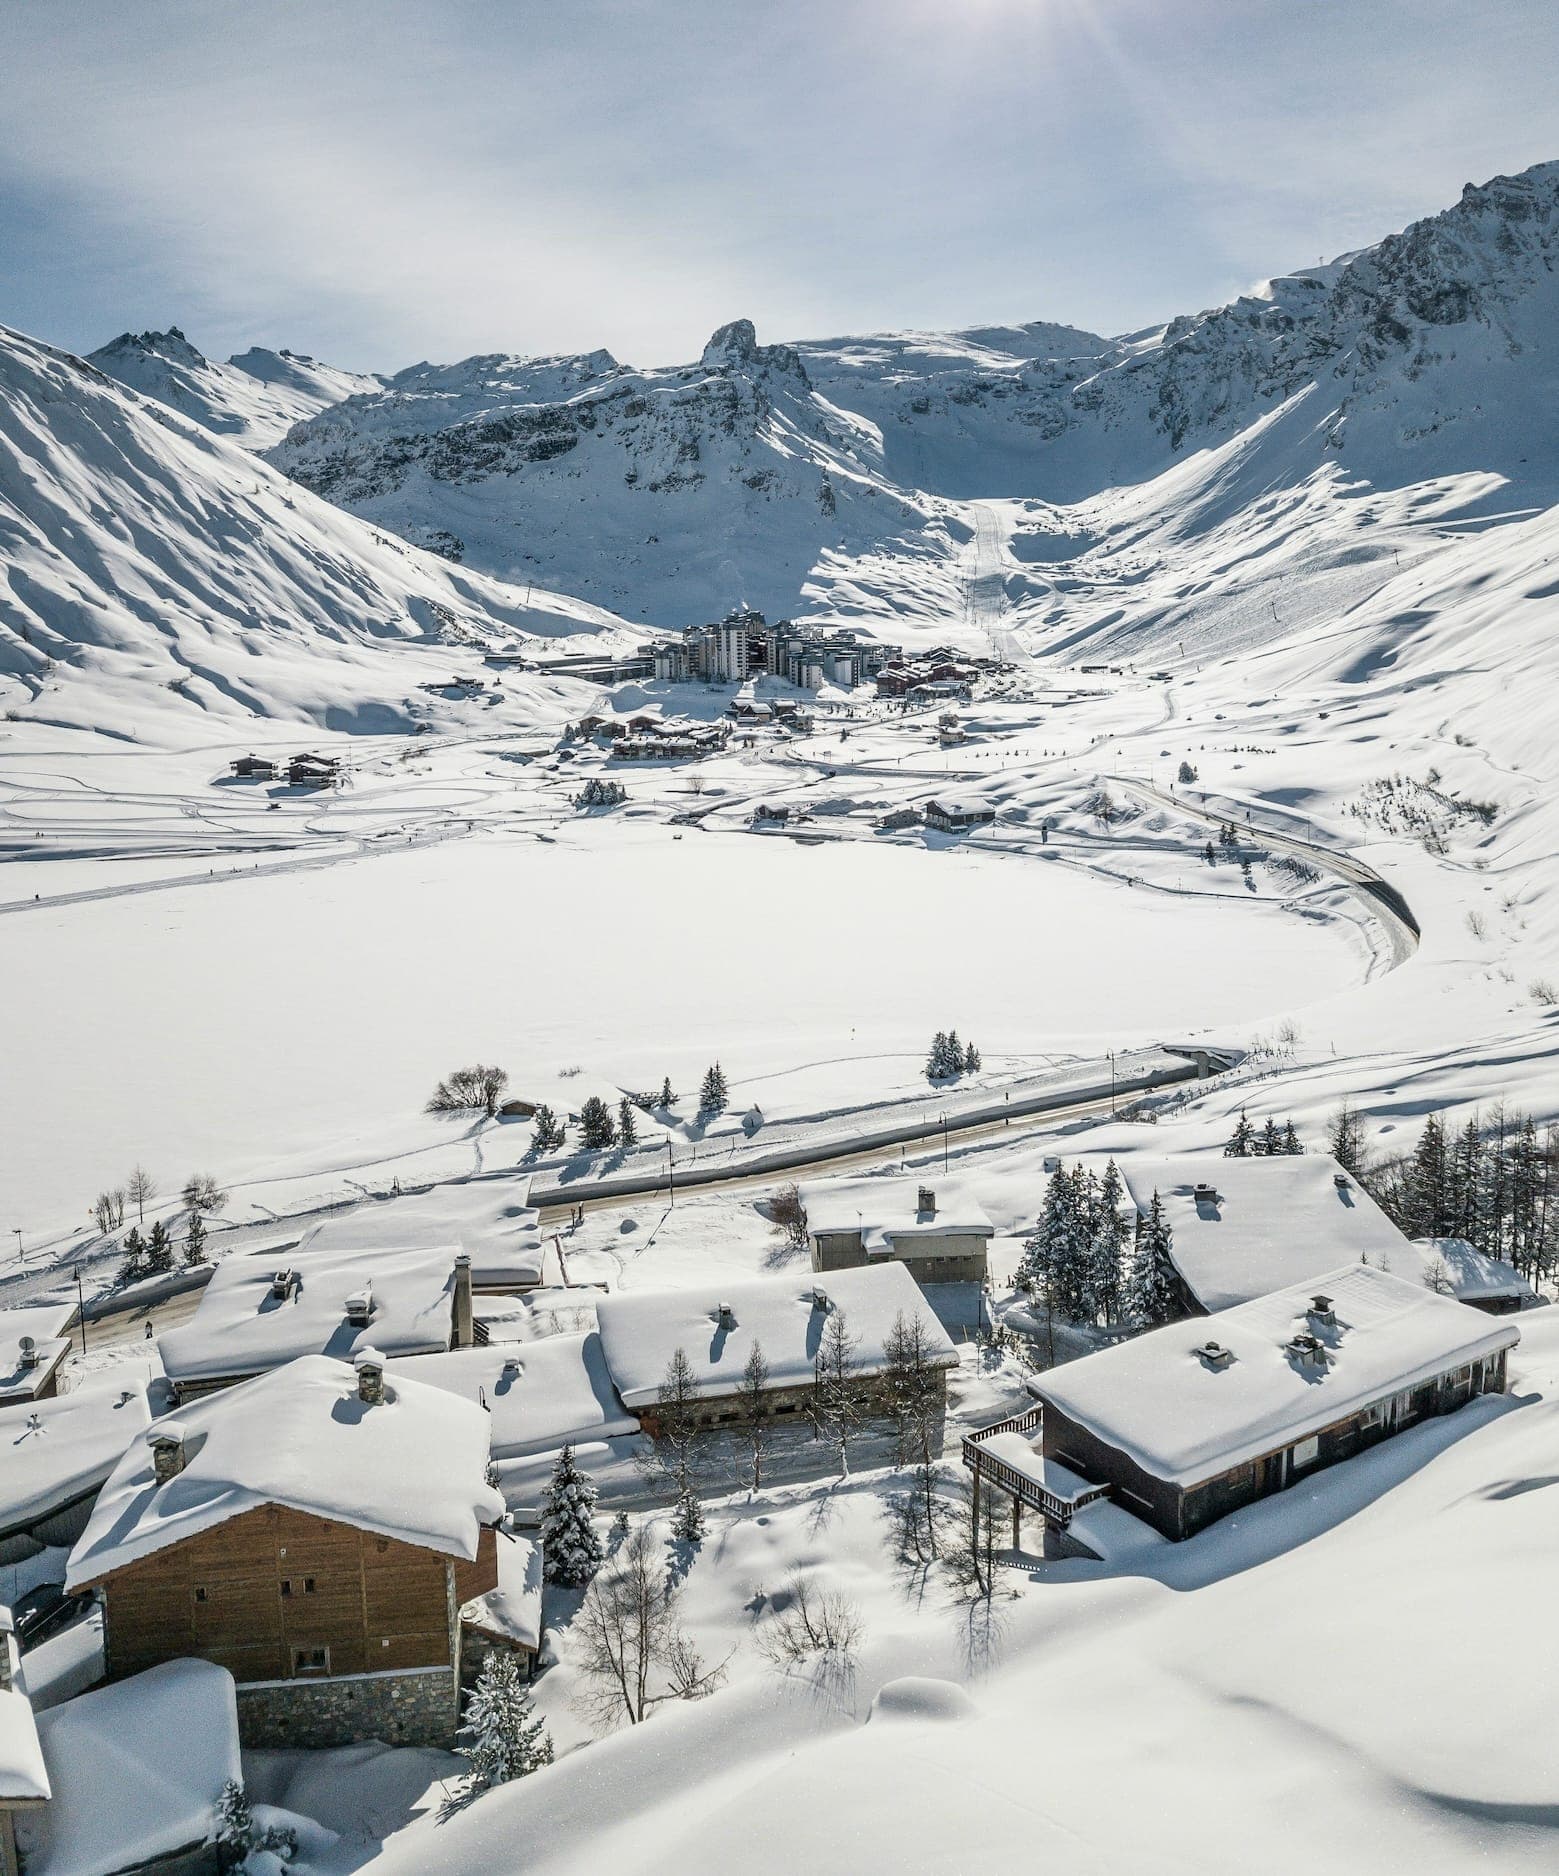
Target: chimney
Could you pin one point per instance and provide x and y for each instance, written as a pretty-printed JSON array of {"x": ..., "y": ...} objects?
[
  {"x": 819, "y": 1297},
  {"x": 727, "y": 1316},
  {"x": 281, "y": 1285},
  {"x": 360, "y": 1307},
  {"x": 168, "y": 1455},
  {"x": 369, "y": 1364},
  {"x": 462, "y": 1331},
  {"x": 29, "y": 1351},
  {"x": 927, "y": 1202},
  {"x": 1321, "y": 1311}
]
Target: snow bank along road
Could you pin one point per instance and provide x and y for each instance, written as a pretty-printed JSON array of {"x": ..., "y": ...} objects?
[{"x": 1394, "y": 912}]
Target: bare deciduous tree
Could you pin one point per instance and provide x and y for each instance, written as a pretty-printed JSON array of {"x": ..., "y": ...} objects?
[
  {"x": 752, "y": 1401},
  {"x": 836, "y": 1408},
  {"x": 201, "y": 1193},
  {"x": 810, "y": 1622},
  {"x": 630, "y": 1648},
  {"x": 108, "y": 1211},
  {"x": 786, "y": 1210},
  {"x": 140, "y": 1189},
  {"x": 676, "y": 1421},
  {"x": 477, "y": 1089},
  {"x": 915, "y": 1397}
]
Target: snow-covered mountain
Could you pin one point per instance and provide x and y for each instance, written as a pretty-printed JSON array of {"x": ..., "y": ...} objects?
[
  {"x": 774, "y": 474},
  {"x": 150, "y": 571},
  {"x": 254, "y": 399}
]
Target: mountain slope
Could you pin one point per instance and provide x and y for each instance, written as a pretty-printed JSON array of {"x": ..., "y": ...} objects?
[
  {"x": 254, "y": 399},
  {"x": 150, "y": 572}
]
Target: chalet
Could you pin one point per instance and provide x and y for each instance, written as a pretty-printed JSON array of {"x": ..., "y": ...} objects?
[
  {"x": 539, "y": 1396},
  {"x": 312, "y": 771},
  {"x": 896, "y": 818},
  {"x": 1188, "y": 1423},
  {"x": 170, "y": 1737},
  {"x": 265, "y": 1309},
  {"x": 24, "y": 1782},
  {"x": 938, "y": 1232},
  {"x": 34, "y": 1341},
  {"x": 316, "y": 1532},
  {"x": 54, "y": 1458},
  {"x": 716, "y": 1326},
  {"x": 255, "y": 768},
  {"x": 1243, "y": 1227},
  {"x": 1455, "y": 1268},
  {"x": 954, "y": 813}
]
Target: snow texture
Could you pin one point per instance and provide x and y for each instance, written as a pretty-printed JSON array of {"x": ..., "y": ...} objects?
[
  {"x": 58, "y": 1450},
  {"x": 512, "y": 1611},
  {"x": 540, "y": 1395}
]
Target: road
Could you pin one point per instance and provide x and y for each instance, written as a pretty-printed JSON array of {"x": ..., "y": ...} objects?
[{"x": 1393, "y": 911}]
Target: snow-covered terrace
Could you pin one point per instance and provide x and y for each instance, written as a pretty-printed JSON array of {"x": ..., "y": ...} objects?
[
  {"x": 26, "y": 1374},
  {"x": 411, "y": 1467},
  {"x": 1265, "y": 1223},
  {"x": 641, "y": 1330},
  {"x": 511, "y": 1613},
  {"x": 1185, "y": 1416},
  {"x": 243, "y": 1326}
]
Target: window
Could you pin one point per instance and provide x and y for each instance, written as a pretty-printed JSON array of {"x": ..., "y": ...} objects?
[
  {"x": 308, "y": 1586},
  {"x": 1306, "y": 1452},
  {"x": 307, "y": 1661},
  {"x": 286, "y": 1586},
  {"x": 200, "y": 1592}
]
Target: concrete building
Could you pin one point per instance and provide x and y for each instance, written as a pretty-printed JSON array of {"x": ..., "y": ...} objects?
[
  {"x": 744, "y": 645},
  {"x": 938, "y": 1231}
]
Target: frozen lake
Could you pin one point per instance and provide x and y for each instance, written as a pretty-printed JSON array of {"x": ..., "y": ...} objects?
[{"x": 298, "y": 1021}]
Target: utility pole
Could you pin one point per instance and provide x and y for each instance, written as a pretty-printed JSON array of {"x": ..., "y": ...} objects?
[
  {"x": 944, "y": 1143},
  {"x": 671, "y": 1171},
  {"x": 1112, "y": 1084},
  {"x": 81, "y": 1311},
  {"x": 20, "y": 1254}
]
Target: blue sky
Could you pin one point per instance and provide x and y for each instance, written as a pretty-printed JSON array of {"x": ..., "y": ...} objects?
[{"x": 379, "y": 181}]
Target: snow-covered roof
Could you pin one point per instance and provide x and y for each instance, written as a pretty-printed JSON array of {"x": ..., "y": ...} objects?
[
  {"x": 511, "y": 1611},
  {"x": 55, "y": 1451},
  {"x": 1276, "y": 1220},
  {"x": 1472, "y": 1276},
  {"x": 412, "y": 1467},
  {"x": 1185, "y": 1418},
  {"x": 47, "y": 1324},
  {"x": 137, "y": 1768},
  {"x": 540, "y": 1395},
  {"x": 23, "y": 1779},
  {"x": 240, "y": 1328},
  {"x": 885, "y": 1211},
  {"x": 495, "y": 1225},
  {"x": 642, "y": 1329}
]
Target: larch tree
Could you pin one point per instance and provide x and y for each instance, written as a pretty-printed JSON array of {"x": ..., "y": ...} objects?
[
  {"x": 140, "y": 1190},
  {"x": 752, "y": 1403},
  {"x": 836, "y": 1410},
  {"x": 676, "y": 1421}
]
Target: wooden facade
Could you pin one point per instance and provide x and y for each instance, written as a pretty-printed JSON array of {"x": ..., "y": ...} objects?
[
  {"x": 1181, "y": 1510},
  {"x": 939, "y": 1257},
  {"x": 276, "y": 1594}
]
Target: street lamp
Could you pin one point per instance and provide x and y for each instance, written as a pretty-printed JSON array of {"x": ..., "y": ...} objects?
[
  {"x": 671, "y": 1172},
  {"x": 944, "y": 1143},
  {"x": 17, "y": 1233}
]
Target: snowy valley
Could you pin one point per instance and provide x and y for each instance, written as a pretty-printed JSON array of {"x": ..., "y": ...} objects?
[{"x": 1206, "y": 778}]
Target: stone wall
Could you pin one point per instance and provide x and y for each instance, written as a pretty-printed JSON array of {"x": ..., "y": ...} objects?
[{"x": 412, "y": 1709}]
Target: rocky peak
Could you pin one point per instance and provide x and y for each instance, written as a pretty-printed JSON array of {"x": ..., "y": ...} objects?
[
  {"x": 171, "y": 345},
  {"x": 735, "y": 347}
]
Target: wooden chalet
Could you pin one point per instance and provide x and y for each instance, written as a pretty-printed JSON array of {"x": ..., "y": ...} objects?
[{"x": 316, "y": 1532}]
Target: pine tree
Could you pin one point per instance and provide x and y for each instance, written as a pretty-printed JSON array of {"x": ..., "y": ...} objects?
[
  {"x": 1291, "y": 1140},
  {"x": 1240, "y": 1142},
  {"x": 627, "y": 1123},
  {"x": 752, "y": 1399},
  {"x": 936, "y": 1061},
  {"x": 235, "y": 1821},
  {"x": 687, "y": 1521},
  {"x": 835, "y": 1397},
  {"x": 666, "y": 1096},
  {"x": 676, "y": 1419},
  {"x": 134, "y": 1264},
  {"x": 971, "y": 1060},
  {"x": 1107, "y": 1247},
  {"x": 548, "y": 1128},
  {"x": 1271, "y": 1143},
  {"x": 506, "y": 1739},
  {"x": 596, "y": 1126},
  {"x": 955, "y": 1053},
  {"x": 1425, "y": 1210},
  {"x": 713, "y": 1090},
  {"x": 195, "y": 1240},
  {"x": 159, "y": 1248},
  {"x": 1152, "y": 1296},
  {"x": 570, "y": 1549},
  {"x": 1055, "y": 1257},
  {"x": 1345, "y": 1140}
]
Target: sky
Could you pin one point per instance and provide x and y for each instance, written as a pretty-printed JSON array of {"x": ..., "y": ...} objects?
[{"x": 381, "y": 181}]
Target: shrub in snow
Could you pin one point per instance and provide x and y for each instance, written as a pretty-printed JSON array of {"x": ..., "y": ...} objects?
[
  {"x": 477, "y": 1089},
  {"x": 811, "y": 1622},
  {"x": 201, "y": 1193},
  {"x": 504, "y": 1738},
  {"x": 1186, "y": 773},
  {"x": 570, "y": 1548}
]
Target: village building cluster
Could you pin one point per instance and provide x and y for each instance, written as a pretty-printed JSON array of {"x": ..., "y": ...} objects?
[{"x": 744, "y": 645}]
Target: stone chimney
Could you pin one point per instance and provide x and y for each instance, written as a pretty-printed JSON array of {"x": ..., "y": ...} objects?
[
  {"x": 369, "y": 1364},
  {"x": 462, "y": 1330},
  {"x": 927, "y": 1202},
  {"x": 168, "y": 1455},
  {"x": 360, "y": 1307}
]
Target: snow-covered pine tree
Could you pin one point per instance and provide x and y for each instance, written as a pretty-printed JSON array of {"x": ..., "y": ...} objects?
[
  {"x": 548, "y": 1130},
  {"x": 571, "y": 1550},
  {"x": 687, "y": 1521},
  {"x": 1151, "y": 1293},
  {"x": 936, "y": 1061},
  {"x": 955, "y": 1053},
  {"x": 134, "y": 1264},
  {"x": 666, "y": 1097},
  {"x": 1271, "y": 1142},
  {"x": 1345, "y": 1139},
  {"x": 971, "y": 1059},
  {"x": 504, "y": 1738},
  {"x": 596, "y": 1127},
  {"x": 234, "y": 1821},
  {"x": 1242, "y": 1141},
  {"x": 627, "y": 1123},
  {"x": 713, "y": 1090},
  {"x": 195, "y": 1239},
  {"x": 1291, "y": 1140},
  {"x": 1107, "y": 1247}
]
